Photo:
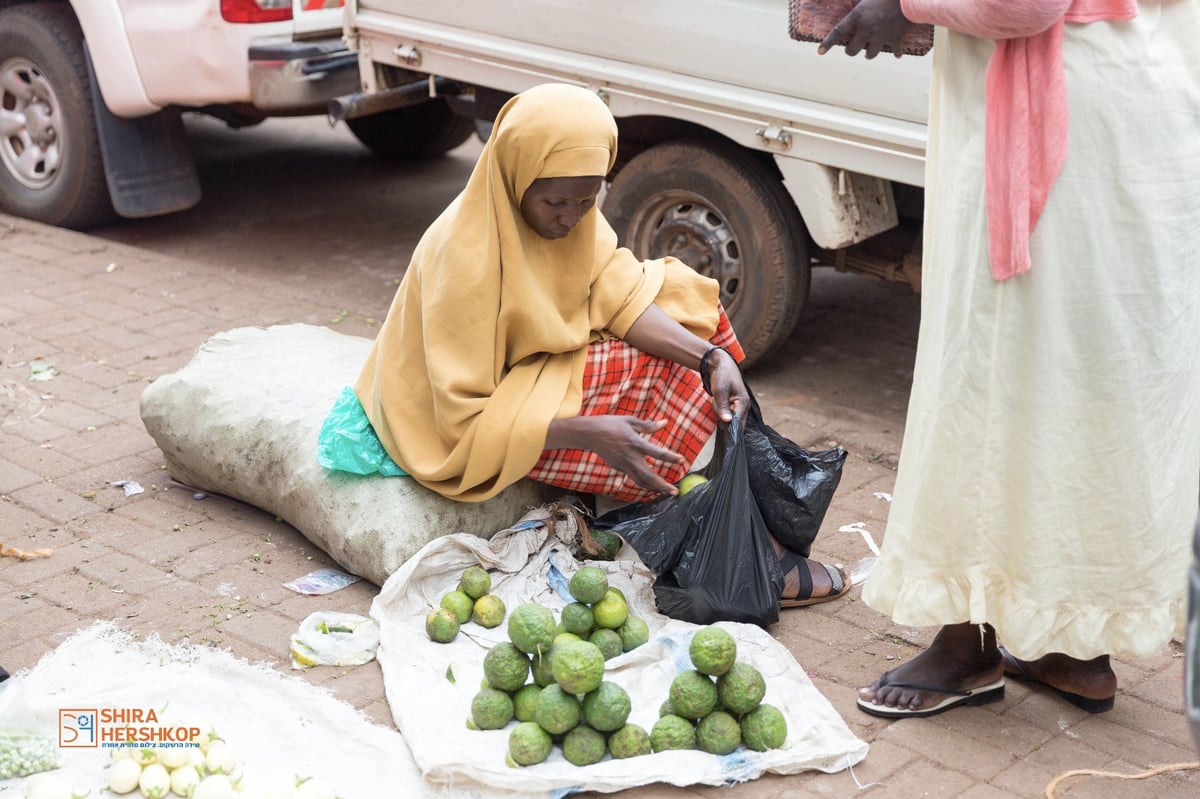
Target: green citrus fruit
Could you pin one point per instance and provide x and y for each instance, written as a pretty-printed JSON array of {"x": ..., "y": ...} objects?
[
  {"x": 523, "y": 701},
  {"x": 475, "y": 581},
  {"x": 764, "y": 728},
  {"x": 577, "y": 666},
  {"x": 491, "y": 709},
  {"x": 690, "y": 481},
  {"x": 588, "y": 585},
  {"x": 556, "y": 711},
  {"x": 529, "y": 744},
  {"x": 718, "y": 733},
  {"x": 608, "y": 641},
  {"x": 634, "y": 632},
  {"x": 505, "y": 667},
  {"x": 741, "y": 688},
  {"x": 607, "y": 708},
  {"x": 460, "y": 604},
  {"x": 611, "y": 611},
  {"x": 531, "y": 628},
  {"x": 629, "y": 741},
  {"x": 672, "y": 732},
  {"x": 610, "y": 542},
  {"x": 665, "y": 709},
  {"x": 583, "y": 746},
  {"x": 441, "y": 625},
  {"x": 489, "y": 611},
  {"x": 712, "y": 650},
  {"x": 577, "y": 619},
  {"x": 693, "y": 695},
  {"x": 542, "y": 673}
]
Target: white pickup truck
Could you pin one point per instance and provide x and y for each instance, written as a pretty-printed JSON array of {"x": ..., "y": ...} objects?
[
  {"x": 744, "y": 153},
  {"x": 92, "y": 93}
]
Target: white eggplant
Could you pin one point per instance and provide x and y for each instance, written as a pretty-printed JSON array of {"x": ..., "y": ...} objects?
[
  {"x": 123, "y": 775},
  {"x": 184, "y": 781},
  {"x": 215, "y": 786},
  {"x": 155, "y": 781}
]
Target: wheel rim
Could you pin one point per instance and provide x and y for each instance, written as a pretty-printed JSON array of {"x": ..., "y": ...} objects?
[
  {"x": 686, "y": 226},
  {"x": 30, "y": 145}
]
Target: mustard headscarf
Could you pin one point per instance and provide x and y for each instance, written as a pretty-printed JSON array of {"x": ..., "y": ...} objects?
[{"x": 486, "y": 339}]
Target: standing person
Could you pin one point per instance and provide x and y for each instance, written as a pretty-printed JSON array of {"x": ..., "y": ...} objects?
[
  {"x": 1048, "y": 476},
  {"x": 523, "y": 342}
]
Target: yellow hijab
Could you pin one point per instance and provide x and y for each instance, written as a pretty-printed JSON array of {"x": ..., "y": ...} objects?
[{"x": 486, "y": 339}]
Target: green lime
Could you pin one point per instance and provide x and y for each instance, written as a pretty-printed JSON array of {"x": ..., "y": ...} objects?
[
  {"x": 577, "y": 619},
  {"x": 505, "y": 667},
  {"x": 608, "y": 641},
  {"x": 718, "y": 733},
  {"x": 629, "y": 741},
  {"x": 634, "y": 632},
  {"x": 460, "y": 604},
  {"x": 542, "y": 672},
  {"x": 690, "y": 481},
  {"x": 489, "y": 611},
  {"x": 583, "y": 746},
  {"x": 588, "y": 585},
  {"x": 693, "y": 695},
  {"x": 578, "y": 666},
  {"x": 475, "y": 581},
  {"x": 441, "y": 625},
  {"x": 764, "y": 728},
  {"x": 491, "y": 709},
  {"x": 611, "y": 611},
  {"x": 607, "y": 708},
  {"x": 712, "y": 650},
  {"x": 556, "y": 710},
  {"x": 529, "y": 744},
  {"x": 672, "y": 732},
  {"x": 609, "y": 542},
  {"x": 741, "y": 688},
  {"x": 531, "y": 628},
  {"x": 523, "y": 701}
]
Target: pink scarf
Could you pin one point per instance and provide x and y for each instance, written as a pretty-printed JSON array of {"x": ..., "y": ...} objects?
[{"x": 1026, "y": 105}]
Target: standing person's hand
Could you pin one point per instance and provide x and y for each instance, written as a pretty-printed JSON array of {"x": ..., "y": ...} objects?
[{"x": 870, "y": 26}]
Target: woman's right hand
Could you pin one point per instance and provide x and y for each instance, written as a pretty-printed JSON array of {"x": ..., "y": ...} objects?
[
  {"x": 623, "y": 442},
  {"x": 870, "y": 26}
]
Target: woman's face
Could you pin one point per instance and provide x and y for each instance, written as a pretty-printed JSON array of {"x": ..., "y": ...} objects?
[{"x": 554, "y": 206}]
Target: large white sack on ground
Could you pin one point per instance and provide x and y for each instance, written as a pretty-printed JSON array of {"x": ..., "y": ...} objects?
[
  {"x": 242, "y": 418},
  {"x": 429, "y": 685}
]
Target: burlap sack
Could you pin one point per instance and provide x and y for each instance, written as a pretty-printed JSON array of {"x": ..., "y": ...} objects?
[{"x": 242, "y": 417}]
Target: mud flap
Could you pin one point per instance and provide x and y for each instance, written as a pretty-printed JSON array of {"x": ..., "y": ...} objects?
[{"x": 147, "y": 160}]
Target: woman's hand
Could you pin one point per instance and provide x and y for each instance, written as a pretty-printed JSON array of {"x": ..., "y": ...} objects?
[
  {"x": 870, "y": 26},
  {"x": 623, "y": 442},
  {"x": 729, "y": 393}
]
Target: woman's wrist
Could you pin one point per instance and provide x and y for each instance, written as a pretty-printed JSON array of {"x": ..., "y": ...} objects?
[{"x": 706, "y": 366}]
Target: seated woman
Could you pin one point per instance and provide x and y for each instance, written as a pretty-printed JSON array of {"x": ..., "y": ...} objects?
[{"x": 523, "y": 342}]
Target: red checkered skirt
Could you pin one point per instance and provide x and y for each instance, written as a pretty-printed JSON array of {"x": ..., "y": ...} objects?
[{"x": 620, "y": 380}]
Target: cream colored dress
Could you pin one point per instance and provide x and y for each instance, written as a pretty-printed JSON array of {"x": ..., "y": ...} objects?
[{"x": 1051, "y": 458}]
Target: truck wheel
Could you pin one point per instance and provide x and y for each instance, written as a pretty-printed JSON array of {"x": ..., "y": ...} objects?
[
  {"x": 51, "y": 169},
  {"x": 723, "y": 213},
  {"x": 417, "y": 131}
]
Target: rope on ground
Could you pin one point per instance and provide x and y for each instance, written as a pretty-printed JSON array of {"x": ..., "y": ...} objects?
[
  {"x": 23, "y": 554},
  {"x": 1141, "y": 775}
]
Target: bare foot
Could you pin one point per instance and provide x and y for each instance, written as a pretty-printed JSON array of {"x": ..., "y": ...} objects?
[
  {"x": 1089, "y": 684},
  {"x": 961, "y": 659}
]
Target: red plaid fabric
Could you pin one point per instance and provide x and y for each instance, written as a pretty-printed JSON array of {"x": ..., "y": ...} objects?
[{"x": 621, "y": 380}]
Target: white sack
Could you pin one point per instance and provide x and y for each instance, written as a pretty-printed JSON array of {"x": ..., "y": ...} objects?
[
  {"x": 242, "y": 418},
  {"x": 530, "y": 563}
]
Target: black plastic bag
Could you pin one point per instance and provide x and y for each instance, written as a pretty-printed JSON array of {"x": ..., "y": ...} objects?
[{"x": 711, "y": 548}]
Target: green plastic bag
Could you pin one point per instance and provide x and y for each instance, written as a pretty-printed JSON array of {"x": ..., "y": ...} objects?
[{"x": 348, "y": 443}]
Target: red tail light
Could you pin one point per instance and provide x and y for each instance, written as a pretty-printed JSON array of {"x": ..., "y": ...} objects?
[{"x": 256, "y": 10}]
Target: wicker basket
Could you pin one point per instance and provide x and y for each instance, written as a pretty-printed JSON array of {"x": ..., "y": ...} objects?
[{"x": 812, "y": 20}]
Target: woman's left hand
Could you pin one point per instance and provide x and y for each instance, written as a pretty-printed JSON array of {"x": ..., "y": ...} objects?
[{"x": 729, "y": 393}]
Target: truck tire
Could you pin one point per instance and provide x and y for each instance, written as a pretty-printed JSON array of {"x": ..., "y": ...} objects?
[
  {"x": 412, "y": 132},
  {"x": 726, "y": 215},
  {"x": 51, "y": 168}
]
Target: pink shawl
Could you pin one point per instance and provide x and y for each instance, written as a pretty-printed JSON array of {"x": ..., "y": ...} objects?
[{"x": 1026, "y": 105}]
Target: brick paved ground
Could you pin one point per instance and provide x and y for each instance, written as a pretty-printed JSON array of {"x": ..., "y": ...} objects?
[{"x": 112, "y": 318}]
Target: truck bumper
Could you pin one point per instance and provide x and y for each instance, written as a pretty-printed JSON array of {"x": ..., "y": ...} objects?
[{"x": 297, "y": 78}]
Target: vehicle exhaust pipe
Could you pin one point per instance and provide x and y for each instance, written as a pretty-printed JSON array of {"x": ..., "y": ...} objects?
[{"x": 365, "y": 103}]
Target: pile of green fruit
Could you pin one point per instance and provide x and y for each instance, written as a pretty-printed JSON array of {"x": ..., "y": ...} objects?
[
  {"x": 471, "y": 601},
  {"x": 549, "y": 677},
  {"x": 717, "y": 705}
]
